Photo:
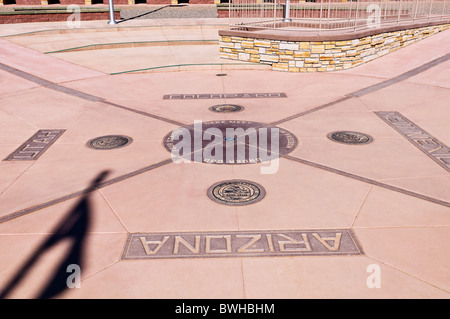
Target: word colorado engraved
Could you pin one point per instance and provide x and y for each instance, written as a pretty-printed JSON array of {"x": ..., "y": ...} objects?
[
  {"x": 427, "y": 143},
  {"x": 35, "y": 146},
  {"x": 241, "y": 244},
  {"x": 223, "y": 96}
]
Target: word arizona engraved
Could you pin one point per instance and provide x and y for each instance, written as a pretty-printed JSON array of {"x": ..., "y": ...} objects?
[
  {"x": 241, "y": 244},
  {"x": 430, "y": 145}
]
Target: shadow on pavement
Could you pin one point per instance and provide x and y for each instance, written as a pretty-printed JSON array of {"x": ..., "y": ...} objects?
[
  {"x": 73, "y": 227},
  {"x": 153, "y": 11}
]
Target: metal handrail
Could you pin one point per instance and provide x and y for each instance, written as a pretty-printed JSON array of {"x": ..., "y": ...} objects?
[{"x": 332, "y": 15}]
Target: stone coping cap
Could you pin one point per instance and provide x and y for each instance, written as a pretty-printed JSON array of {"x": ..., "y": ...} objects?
[{"x": 328, "y": 35}]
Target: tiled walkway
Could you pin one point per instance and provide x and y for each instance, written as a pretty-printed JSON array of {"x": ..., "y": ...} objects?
[{"x": 336, "y": 219}]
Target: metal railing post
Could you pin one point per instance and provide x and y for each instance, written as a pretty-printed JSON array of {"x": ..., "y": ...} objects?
[
  {"x": 431, "y": 7},
  {"x": 320, "y": 16},
  {"x": 275, "y": 13},
  {"x": 328, "y": 15},
  {"x": 287, "y": 9},
  {"x": 443, "y": 9},
  {"x": 415, "y": 10},
  {"x": 111, "y": 13},
  {"x": 356, "y": 15},
  {"x": 399, "y": 12},
  {"x": 381, "y": 6}
]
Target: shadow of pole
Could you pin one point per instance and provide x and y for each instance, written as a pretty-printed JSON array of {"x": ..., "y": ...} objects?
[
  {"x": 147, "y": 13},
  {"x": 74, "y": 227}
]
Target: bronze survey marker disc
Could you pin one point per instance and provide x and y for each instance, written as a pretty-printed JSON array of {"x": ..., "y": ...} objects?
[
  {"x": 226, "y": 108},
  {"x": 109, "y": 142},
  {"x": 236, "y": 192},
  {"x": 248, "y": 142},
  {"x": 349, "y": 137}
]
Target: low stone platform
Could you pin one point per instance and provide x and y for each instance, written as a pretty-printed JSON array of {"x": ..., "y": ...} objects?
[{"x": 303, "y": 51}]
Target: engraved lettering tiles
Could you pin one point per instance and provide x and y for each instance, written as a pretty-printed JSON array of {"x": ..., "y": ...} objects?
[
  {"x": 430, "y": 145},
  {"x": 35, "y": 146},
  {"x": 241, "y": 244},
  {"x": 224, "y": 96}
]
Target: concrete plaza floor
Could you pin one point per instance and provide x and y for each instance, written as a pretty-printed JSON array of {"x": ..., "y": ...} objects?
[{"x": 392, "y": 194}]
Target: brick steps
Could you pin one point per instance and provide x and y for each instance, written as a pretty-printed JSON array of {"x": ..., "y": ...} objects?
[{"x": 50, "y": 14}]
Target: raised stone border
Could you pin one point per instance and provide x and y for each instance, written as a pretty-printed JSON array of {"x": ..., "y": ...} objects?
[{"x": 288, "y": 52}]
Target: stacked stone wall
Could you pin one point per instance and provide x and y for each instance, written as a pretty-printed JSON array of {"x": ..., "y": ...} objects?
[{"x": 320, "y": 56}]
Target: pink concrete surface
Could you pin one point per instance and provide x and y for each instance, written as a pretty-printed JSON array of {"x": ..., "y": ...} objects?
[
  {"x": 37, "y": 64},
  {"x": 10, "y": 83},
  {"x": 393, "y": 197}
]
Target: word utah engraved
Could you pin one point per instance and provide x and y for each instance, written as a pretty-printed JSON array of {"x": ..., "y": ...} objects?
[{"x": 35, "y": 146}]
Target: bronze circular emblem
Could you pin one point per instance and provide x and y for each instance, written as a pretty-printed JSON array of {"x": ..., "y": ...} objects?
[
  {"x": 229, "y": 142},
  {"x": 226, "y": 108},
  {"x": 109, "y": 142},
  {"x": 349, "y": 137},
  {"x": 236, "y": 192}
]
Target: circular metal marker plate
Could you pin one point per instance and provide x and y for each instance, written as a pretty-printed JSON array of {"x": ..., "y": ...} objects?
[
  {"x": 229, "y": 142},
  {"x": 226, "y": 108},
  {"x": 236, "y": 192},
  {"x": 109, "y": 142},
  {"x": 349, "y": 137}
]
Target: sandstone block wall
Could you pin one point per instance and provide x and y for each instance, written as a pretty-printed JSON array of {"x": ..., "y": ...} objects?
[{"x": 320, "y": 56}]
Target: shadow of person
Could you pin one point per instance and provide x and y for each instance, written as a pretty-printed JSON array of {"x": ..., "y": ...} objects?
[{"x": 73, "y": 227}]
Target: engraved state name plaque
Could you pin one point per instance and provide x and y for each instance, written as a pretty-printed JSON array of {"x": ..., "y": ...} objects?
[
  {"x": 224, "y": 96},
  {"x": 424, "y": 141},
  {"x": 241, "y": 244},
  {"x": 36, "y": 145}
]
